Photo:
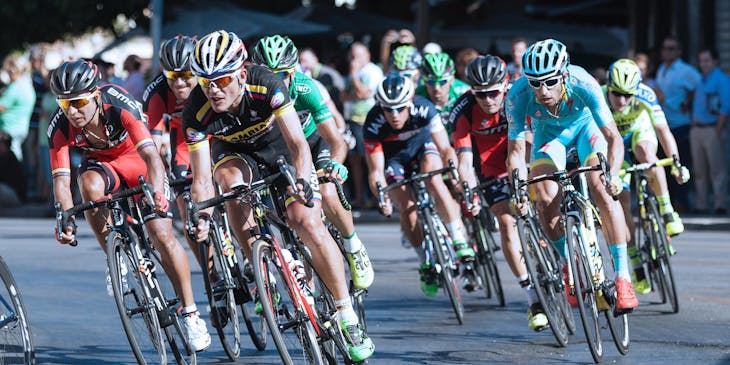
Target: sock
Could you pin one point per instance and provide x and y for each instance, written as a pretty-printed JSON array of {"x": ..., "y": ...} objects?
[
  {"x": 352, "y": 243},
  {"x": 345, "y": 311},
  {"x": 620, "y": 260},
  {"x": 190, "y": 310},
  {"x": 560, "y": 245},
  {"x": 529, "y": 289},
  {"x": 665, "y": 204},
  {"x": 454, "y": 228}
]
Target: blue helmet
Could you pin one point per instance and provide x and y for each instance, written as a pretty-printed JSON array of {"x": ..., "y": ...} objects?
[{"x": 545, "y": 59}]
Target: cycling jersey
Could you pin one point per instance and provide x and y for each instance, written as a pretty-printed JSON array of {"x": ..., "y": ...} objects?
[
  {"x": 644, "y": 107},
  {"x": 579, "y": 115},
  {"x": 252, "y": 130},
  {"x": 457, "y": 88},
  {"x": 161, "y": 106},
  {"x": 379, "y": 136},
  {"x": 488, "y": 133},
  {"x": 309, "y": 103},
  {"x": 126, "y": 129}
]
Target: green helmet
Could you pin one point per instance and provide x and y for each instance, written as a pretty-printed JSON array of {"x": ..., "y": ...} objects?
[
  {"x": 437, "y": 66},
  {"x": 624, "y": 76},
  {"x": 275, "y": 53},
  {"x": 405, "y": 57}
]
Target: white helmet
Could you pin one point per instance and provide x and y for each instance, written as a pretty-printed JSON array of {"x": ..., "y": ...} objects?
[
  {"x": 218, "y": 53},
  {"x": 395, "y": 90}
]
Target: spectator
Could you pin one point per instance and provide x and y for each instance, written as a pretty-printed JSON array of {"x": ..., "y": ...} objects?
[
  {"x": 134, "y": 83},
  {"x": 16, "y": 107},
  {"x": 108, "y": 73},
  {"x": 431, "y": 48},
  {"x": 328, "y": 76},
  {"x": 514, "y": 68},
  {"x": 647, "y": 71},
  {"x": 39, "y": 75},
  {"x": 462, "y": 59},
  {"x": 710, "y": 109},
  {"x": 600, "y": 74},
  {"x": 392, "y": 39},
  {"x": 358, "y": 98},
  {"x": 678, "y": 81}
]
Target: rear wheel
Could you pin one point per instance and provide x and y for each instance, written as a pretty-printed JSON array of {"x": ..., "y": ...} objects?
[
  {"x": 543, "y": 277},
  {"x": 16, "y": 341},
  {"x": 665, "y": 273},
  {"x": 133, "y": 299},
  {"x": 582, "y": 284},
  {"x": 486, "y": 259}
]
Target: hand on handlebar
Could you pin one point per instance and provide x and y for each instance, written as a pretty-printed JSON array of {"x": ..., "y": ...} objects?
[
  {"x": 161, "y": 204},
  {"x": 386, "y": 206},
  {"x": 518, "y": 208},
  {"x": 681, "y": 174},
  {"x": 335, "y": 170},
  {"x": 614, "y": 186},
  {"x": 304, "y": 192},
  {"x": 475, "y": 207},
  {"x": 68, "y": 235},
  {"x": 202, "y": 229}
]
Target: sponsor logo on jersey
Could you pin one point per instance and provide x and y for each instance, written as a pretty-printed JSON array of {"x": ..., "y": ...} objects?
[
  {"x": 151, "y": 87},
  {"x": 419, "y": 110},
  {"x": 131, "y": 103},
  {"x": 192, "y": 135},
  {"x": 303, "y": 89},
  {"x": 538, "y": 114},
  {"x": 248, "y": 134},
  {"x": 277, "y": 99}
]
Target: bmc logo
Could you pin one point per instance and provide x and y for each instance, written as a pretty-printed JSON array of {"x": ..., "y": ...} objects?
[{"x": 133, "y": 104}]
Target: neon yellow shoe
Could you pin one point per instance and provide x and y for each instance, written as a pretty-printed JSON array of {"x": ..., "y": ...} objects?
[
  {"x": 260, "y": 308},
  {"x": 673, "y": 223},
  {"x": 536, "y": 318},
  {"x": 463, "y": 251},
  {"x": 360, "y": 268},
  {"x": 359, "y": 345},
  {"x": 640, "y": 286}
]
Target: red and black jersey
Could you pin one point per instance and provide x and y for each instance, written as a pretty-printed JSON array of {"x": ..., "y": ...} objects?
[
  {"x": 124, "y": 124},
  {"x": 159, "y": 103},
  {"x": 488, "y": 133}
]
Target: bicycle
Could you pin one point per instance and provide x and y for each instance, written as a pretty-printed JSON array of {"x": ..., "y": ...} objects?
[
  {"x": 655, "y": 248},
  {"x": 145, "y": 301},
  {"x": 231, "y": 289},
  {"x": 436, "y": 243},
  {"x": 587, "y": 281},
  {"x": 542, "y": 261},
  {"x": 16, "y": 339},
  {"x": 480, "y": 231}
]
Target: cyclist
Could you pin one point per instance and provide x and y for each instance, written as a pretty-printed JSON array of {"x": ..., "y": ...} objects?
[
  {"x": 252, "y": 120},
  {"x": 406, "y": 60},
  {"x": 563, "y": 106},
  {"x": 108, "y": 124},
  {"x": 280, "y": 55},
  {"x": 480, "y": 123},
  {"x": 440, "y": 86},
  {"x": 404, "y": 133},
  {"x": 640, "y": 120}
]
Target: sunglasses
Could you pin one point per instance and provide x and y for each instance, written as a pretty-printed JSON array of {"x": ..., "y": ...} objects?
[
  {"x": 486, "y": 94},
  {"x": 437, "y": 82},
  {"x": 282, "y": 74},
  {"x": 219, "y": 82},
  {"x": 393, "y": 110},
  {"x": 549, "y": 83},
  {"x": 174, "y": 75},
  {"x": 77, "y": 102},
  {"x": 618, "y": 95}
]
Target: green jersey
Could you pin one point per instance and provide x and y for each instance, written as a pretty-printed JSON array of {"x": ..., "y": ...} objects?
[
  {"x": 458, "y": 87},
  {"x": 643, "y": 111},
  {"x": 309, "y": 103}
]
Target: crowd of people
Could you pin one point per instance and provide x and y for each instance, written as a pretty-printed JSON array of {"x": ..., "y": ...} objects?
[{"x": 220, "y": 103}]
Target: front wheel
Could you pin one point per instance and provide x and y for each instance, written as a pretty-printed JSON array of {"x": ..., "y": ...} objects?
[
  {"x": 486, "y": 259},
  {"x": 583, "y": 288},
  {"x": 16, "y": 346},
  {"x": 133, "y": 298},
  {"x": 446, "y": 267},
  {"x": 660, "y": 254}
]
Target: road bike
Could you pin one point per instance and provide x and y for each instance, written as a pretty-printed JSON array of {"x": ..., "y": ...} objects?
[{"x": 16, "y": 339}]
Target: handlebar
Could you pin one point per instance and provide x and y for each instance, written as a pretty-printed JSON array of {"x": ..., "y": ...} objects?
[
  {"x": 338, "y": 188},
  {"x": 668, "y": 161},
  {"x": 284, "y": 169},
  {"x": 451, "y": 169},
  {"x": 62, "y": 217}
]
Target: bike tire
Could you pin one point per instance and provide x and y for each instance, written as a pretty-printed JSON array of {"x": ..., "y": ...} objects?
[
  {"x": 664, "y": 266},
  {"x": 176, "y": 337},
  {"x": 223, "y": 318},
  {"x": 357, "y": 296},
  {"x": 255, "y": 324},
  {"x": 584, "y": 289},
  {"x": 134, "y": 303},
  {"x": 486, "y": 247},
  {"x": 16, "y": 346},
  {"x": 542, "y": 277},
  {"x": 553, "y": 260},
  {"x": 293, "y": 333},
  {"x": 443, "y": 258}
]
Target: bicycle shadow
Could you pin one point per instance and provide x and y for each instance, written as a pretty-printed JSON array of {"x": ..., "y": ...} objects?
[{"x": 84, "y": 355}]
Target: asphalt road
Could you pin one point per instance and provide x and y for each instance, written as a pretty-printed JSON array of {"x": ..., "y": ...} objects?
[{"x": 74, "y": 322}]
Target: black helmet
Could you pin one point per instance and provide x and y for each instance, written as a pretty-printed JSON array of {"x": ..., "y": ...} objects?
[
  {"x": 75, "y": 77},
  {"x": 486, "y": 70},
  {"x": 176, "y": 53}
]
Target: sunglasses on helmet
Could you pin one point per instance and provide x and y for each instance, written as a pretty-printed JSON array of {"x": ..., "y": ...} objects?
[
  {"x": 77, "y": 102},
  {"x": 174, "y": 75},
  {"x": 219, "y": 82},
  {"x": 549, "y": 83}
]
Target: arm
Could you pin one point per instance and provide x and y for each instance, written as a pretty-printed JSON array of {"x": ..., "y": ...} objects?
[
  {"x": 336, "y": 115},
  {"x": 666, "y": 140},
  {"x": 516, "y": 157},
  {"x": 332, "y": 136},
  {"x": 615, "y": 145},
  {"x": 441, "y": 139},
  {"x": 291, "y": 131}
]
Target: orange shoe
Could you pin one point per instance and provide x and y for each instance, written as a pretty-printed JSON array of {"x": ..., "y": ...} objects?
[
  {"x": 572, "y": 300},
  {"x": 625, "y": 296}
]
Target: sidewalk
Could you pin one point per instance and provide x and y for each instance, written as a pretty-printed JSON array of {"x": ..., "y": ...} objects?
[{"x": 691, "y": 222}]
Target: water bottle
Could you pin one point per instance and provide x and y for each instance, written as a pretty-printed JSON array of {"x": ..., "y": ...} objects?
[
  {"x": 300, "y": 275},
  {"x": 593, "y": 248}
]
